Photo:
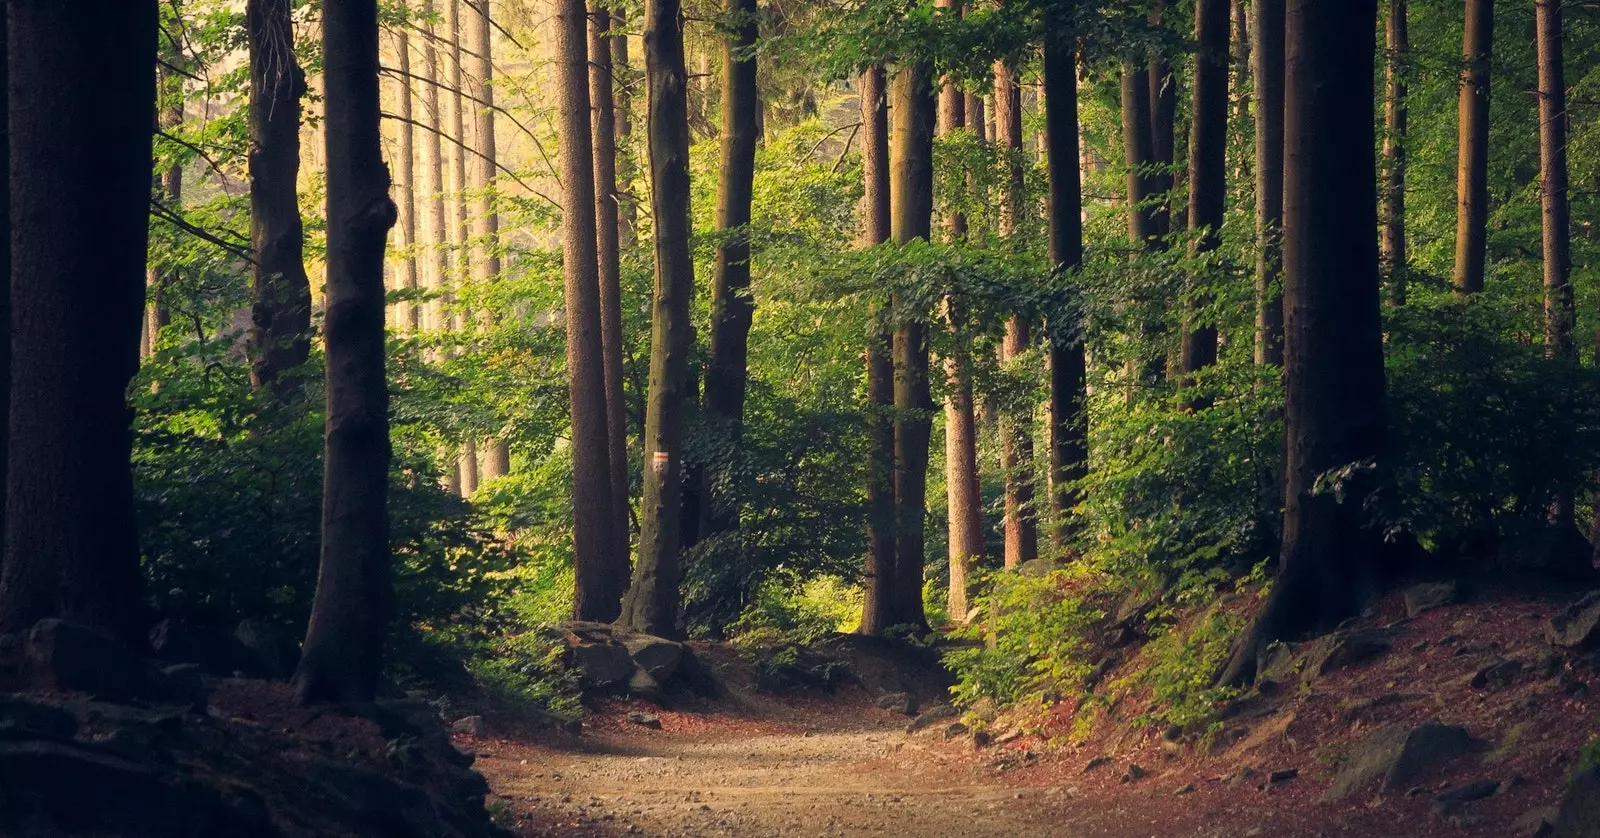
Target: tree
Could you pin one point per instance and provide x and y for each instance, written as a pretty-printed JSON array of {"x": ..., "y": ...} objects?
[
  {"x": 608, "y": 237},
  {"x": 1472, "y": 161},
  {"x": 622, "y": 71},
  {"x": 1556, "y": 216},
  {"x": 342, "y": 654},
  {"x": 82, "y": 89},
  {"x": 652, "y": 602},
  {"x": 598, "y": 590},
  {"x": 731, "y": 307},
  {"x": 465, "y": 472},
  {"x": 1208, "y": 151},
  {"x": 1163, "y": 83},
  {"x": 494, "y": 459},
  {"x": 280, "y": 291},
  {"x": 879, "y": 610},
  {"x": 1267, "y": 59},
  {"x": 170, "y": 190},
  {"x": 1333, "y": 350},
  {"x": 1392, "y": 215},
  {"x": 1139, "y": 154},
  {"x": 911, "y": 111},
  {"x": 438, "y": 236},
  {"x": 1016, "y": 436},
  {"x": 409, "y": 315}
]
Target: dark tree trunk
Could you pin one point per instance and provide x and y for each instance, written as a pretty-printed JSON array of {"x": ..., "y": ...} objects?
[
  {"x": 1208, "y": 167},
  {"x": 280, "y": 291},
  {"x": 1163, "y": 83},
  {"x": 1139, "y": 154},
  {"x": 1472, "y": 160},
  {"x": 1392, "y": 241},
  {"x": 609, "y": 244},
  {"x": 731, "y": 306},
  {"x": 1069, "y": 421},
  {"x": 652, "y": 602},
  {"x": 1267, "y": 57},
  {"x": 598, "y": 588},
  {"x": 878, "y": 613},
  {"x": 5, "y": 284},
  {"x": 1016, "y": 427},
  {"x": 1558, "y": 312},
  {"x": 82, "y": 89},
  {"x": 911, "y": 218},
  {"x": 343, "y": 650},
  {"x": 1333, "y": 354}
]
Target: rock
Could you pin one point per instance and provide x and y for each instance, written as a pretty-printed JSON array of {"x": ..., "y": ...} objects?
[
  {"x": 1560, "y": 551},
  {"x": 469, "y": 725},
  {"x": 1037, "y": 567},
  {"x": 932, "y": 716},
  {"x": 1186, "y": 788},
  {"x": 1428, "y": 596},
  {"x": 1467, "y": 792},
  {"x": 1397, "y": 755},
  {"x": 954, "y": 730},
  {"x": 642, "y": 685},
  {"x": 276, "y": 650},
  {"x": 1096, "y": 763},
  {"x": 1172, "y": 733},
  {"x": 66, "y": 657},
  {"x": 1282, "y": 775},
  {"x": 901, "y": 703},
  {"x": 601, "y": 665},
  {"x": 1579, "y": 816},
  {"x": 1346, "y": 648},
  {"x": 1578, "y": 625},
  {"x": 981, "y": 739},
  {"x": 1134, "y": 773},
  {"x": 656, "y": 655},
  {"x": 215, "y": 651},
  {"x": 1497, "y": 674},
  {"x": 648, "y": 720}
]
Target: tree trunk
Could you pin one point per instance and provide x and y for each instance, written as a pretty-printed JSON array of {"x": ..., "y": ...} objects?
[
  {"x": 1139, "y": 154},
  {"x": 627, "y": 207},
  {"x": 652, "y": 602},
  {"x": 879, "y": 610},
  {"x": 608, "y": 240},
  {"x": 170, "y": 186},
  {"x": 1334, "y": 344},
  {"x": 5, "y": 288},
  {"x": 460, "y": 227},
  {"x": 437, "y": 275},
  {"x": 1069, "y": 421},
  {"x": 1558, "y": 312},
  {"x": 975, "y": 117},
  {"x": 1392, "y": 240},
  {"x": 409, "y": 314},
  {"x": 1016, "y": 427},
  {"x": 343, "y": 650},
  {"x": 280, "y": 291},
  {"x": 731, "y": 306},
  {"x": 1208, "y": 161},
  {"x": 1267, "y": 57},
  {"x": 1240, "y": 90},
  {"x": 911, "y": 218},
  {"x": 1163, "y": 126},
  {"x": 1472, "y": 160},
  {"x": 494, "y": 460},
  {"x": 82, "y": 89}
]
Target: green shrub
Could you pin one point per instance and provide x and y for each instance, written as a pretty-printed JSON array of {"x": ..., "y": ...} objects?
[{"x": 1032, "y": 638}]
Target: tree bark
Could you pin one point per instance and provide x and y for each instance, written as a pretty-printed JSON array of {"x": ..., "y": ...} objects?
[
  {"x": 879, "y": 610},
  {"x": 1163, "y": 83},
  {"x": 963, "y": 495},
  {"x": 170, "y": 186},
  {"x": 460, "y": 227},
  {"x": 1069, "y": 421},
  {"x": 1558, "y": 311},
  {"x": 409, "y": 314},
  {"x": 1139, "y": 154},
  {"x": 1472, "y": 161},
  {"x": 82, "y": 89},
  {"x": 437, "y": 275},
  {"x": 494, "y": 460},
  {"x": 280, "y": 291},
  {"x": 1267, "y": 58},
  {"x": 652, "y": 601},
  {"x": 731, "y": 306},
  {"x": 975, "y": 117},
  {"x": 627, "y": 207},
  {"x": 911, "y": 111},
  {"x": 1392, "y": 235},
  {"x": 1016, "y": 427},
  {"x": 1208, "y": 153},
  {"x": 1333, "y": 354},
  {"x": 608, "y": 240}
]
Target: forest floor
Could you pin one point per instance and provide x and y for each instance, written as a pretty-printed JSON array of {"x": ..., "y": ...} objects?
[{"x": 755, "y": 764}]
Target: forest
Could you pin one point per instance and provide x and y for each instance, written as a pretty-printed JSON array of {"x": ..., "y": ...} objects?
[{"x": 800, "y": 417}]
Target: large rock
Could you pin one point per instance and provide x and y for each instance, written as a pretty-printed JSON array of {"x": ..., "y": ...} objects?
[
  {"x": 67, "y": 657},
  {"x": 1399, "y": 755},
  {"x": 1344, "y": 649},
  {"x": 1579, "y": 816},
  {"x": 656, "y": 655},
  {"x": 1430, "y": 595},
  {"x": 214, "y": 650},
  {"x": 1578, "y": 625},
  {"x": 601, "y": 665},
  {"x": 276, "y": 650}
]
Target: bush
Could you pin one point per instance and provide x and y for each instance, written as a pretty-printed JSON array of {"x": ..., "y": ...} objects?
[{"x": 1032, "y": 640}]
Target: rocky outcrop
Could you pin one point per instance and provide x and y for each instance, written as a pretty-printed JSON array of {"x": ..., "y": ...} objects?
[
  {"x": 1399, "y": 755},
  {"x": 1578, "y": 625},
  {"x": 615, "y": 659}
]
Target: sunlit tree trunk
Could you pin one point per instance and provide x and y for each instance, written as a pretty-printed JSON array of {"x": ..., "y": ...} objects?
[
  {"x": 627, "y": 207},
  {"x": 652, "y": 601},
  {"x": 437, "y": 274},
  {"x": 409, "y": 315},
  {"x": 1472, "y": 160},
  {"x": 878, "y": 613},
  {"x": 494, "y": 460},
  {"x": 1208, "y": 150},
  {"x": 1267, "y": 57},
  {"x": 1558, "y": 313},
  {"x": 1016, "y": 425},
  {"x": 608, "y": 240},
  {"x": 1392, "y": 239}
]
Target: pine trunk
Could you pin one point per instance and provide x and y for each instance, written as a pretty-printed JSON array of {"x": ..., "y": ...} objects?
[
  {"x": 1558, "y": 311},
  {"x": 652, "y": 602},
  {"x": 460, "y": 227},
  {"x": 627, "y": 207},
  {"x": 1208, "y": 161},
  {"x": 1267, "y": 57},
  {"x": 1016, "y": 426},
  {"x": 608, "y": 242},
  {"x": 494, "y": 460},
  {"x": 408, "y": 315},
  {"x": 1392, "y": 235},
  {"x": 1069, "y": 421},
  {"x": 879, "y": 612},
  {"x": 1472, "y": 159}
]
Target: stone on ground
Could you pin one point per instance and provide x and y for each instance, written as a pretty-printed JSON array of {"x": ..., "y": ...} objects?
[
  {"x": 1398, "y": 755},
  {"x": 1427, "y": 596},
  {"x": 1578, "y": 625}
]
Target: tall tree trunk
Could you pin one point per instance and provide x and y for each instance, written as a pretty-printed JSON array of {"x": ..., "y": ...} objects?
[
  {"x": 343, "y": 650},
  {"x": 911, "y": 110},
  {"x": 82, "y": 89},
  {"x": 608, "y": 240},
  {"x": 1016, "y": 427},
  {"x": 1558, "y": 312},
  {"x": 975, "y": 117},
  {"x": 1240, "y": 90},
  {"x": 5, "y": 286},
  {"x": 652, "y": 601},
  {"x": 494, "y": 460},
  {"x": 1138, "y": 153},
  {"x": 280, "y": 291},
  {"x": 627, "y": 207},
  {"x": 1069, "y": 419},
  {"x": 1472, "y": 161},
  {"x": 1208, "y": 160},
  {"x": 963, "y": 494},
  {"x": 409, "y": 315},
  {"x": 1392, "y": 239},
  {"x": 1163, "y": 84},
  {"x": 1267, "y": 57},
  {"x": 433, "y": 192},
  {"x": 731, "y": 306},
  {"x": 1334, "y": 344},
  {"x": 879, "y": 610},
  {"x": 598, "y": 590},
  {"x": 170, "y": 186},
  {"x": 460, "y": 227}
]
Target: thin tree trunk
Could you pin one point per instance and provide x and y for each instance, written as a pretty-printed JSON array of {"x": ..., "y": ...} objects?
[
  {"x": 731, "y": 306},
  {"x": 911, "y": 199},
  {"x": 879, "y": 610},
  {"x": 460, "y": 227},
  {"x": 1392, "y": 240},
  {"x": 1139, "y": 154},
  {"x": 82, "y": 89},
  {"x": 608, "y": 240},
  {"x": 343, "y": 650},
  {"x": 1472, "y": 161},
  {"x": 494, "y": 460},
  {"x": 1069, "y": 420},
  {"x": 433, "y": 192},
  {"x": 1240, "y": 91},
  {"x": 652, "y": 601},
  {"x": 1334, "y": 343},
  {"x": 627, "y": 207},
  {"x": 1558, "y": 311},
  {"x": 963, "y": 494},
  {"x": 1163, "y": 84},
  {"x": 170, "y": 186},
  {"x": 1016, "y": 427},
  {"x": 1208, "y": 160},
  {"x": 409, "y": 315},
  {"x": 1268, "y": 92}
]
